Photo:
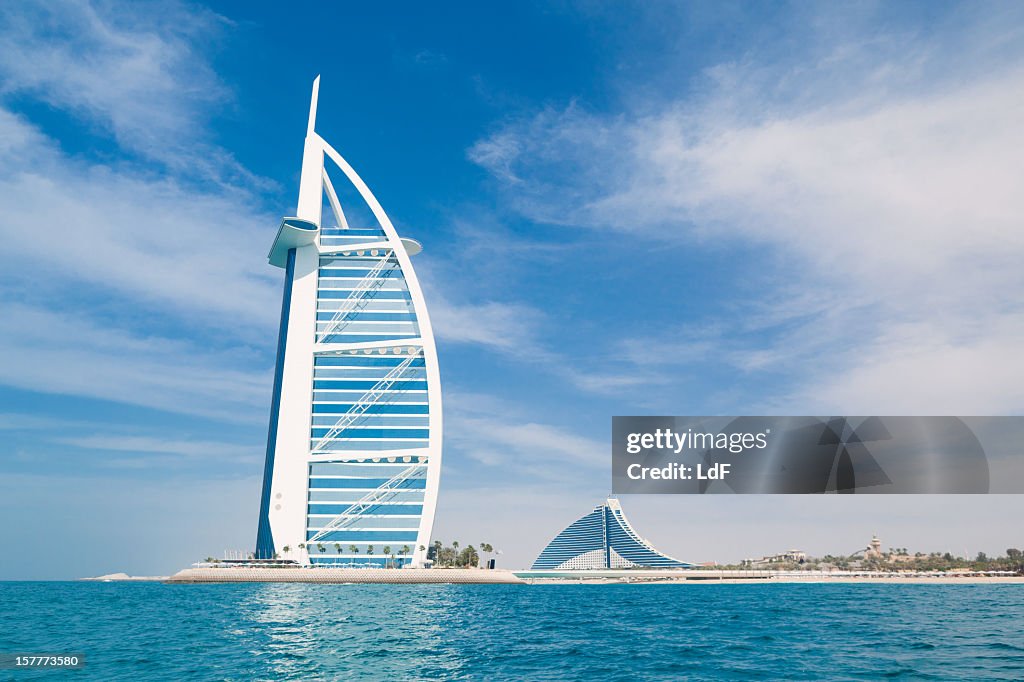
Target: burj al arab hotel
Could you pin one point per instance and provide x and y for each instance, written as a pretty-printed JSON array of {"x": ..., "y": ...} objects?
[{"x": 354, "y": 443}]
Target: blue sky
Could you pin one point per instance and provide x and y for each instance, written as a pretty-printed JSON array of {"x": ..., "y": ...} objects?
[{"x": 648, "y": 208}]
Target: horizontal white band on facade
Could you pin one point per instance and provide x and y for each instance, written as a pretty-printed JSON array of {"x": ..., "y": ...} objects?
[
  {"x": 407, "y": 413},
  {"x": 351, "y": 499},
  {"x": 332, "y": 496},
  {"x": 349, "y": 284},
  {"x": 395, "y": 427},
  {"x": 320, "y": 517},
  {"x": 403, "y": 421},
  {"x": 361, "y": 377},
  {"x": 398, "y": 529},
  {"x": 343, "y": 457},
  {"x": 402, "y": 308},
  {"x": 351, "y": 249},
  {"x": 351, "y": 361},
  {"x": 319, "y": 521},
  {"x": 367, "y": 441},
  {"x": 411, "y": 246},
  {"x": 364, "y": 491},
  {"x": 381, "y": 305},
  {"x": 368, "y": 324},
  {"x": 342, "y": 397},
  {"x": 394, "y": 330},
  {"x": 406, "y": 403},
  {"x": 361, "y": 372},
  {"x": 353, "y": 475},
  {"x": 376, "y": 542},
  {"x": 344, "y": 348},
  {"x": 342, "y": 391},
  {"x": 355, "y": 372}
]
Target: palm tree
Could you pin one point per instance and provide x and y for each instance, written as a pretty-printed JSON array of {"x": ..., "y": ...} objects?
[
  {"x": 286, "y": 549},
  {"x": 387, "y": 551},
  {"x": 353, "y": 549},
  {"x": 369, "y": 549},
  {"x": 337, "y": 548},
  {"x": 321, "y": 548}
]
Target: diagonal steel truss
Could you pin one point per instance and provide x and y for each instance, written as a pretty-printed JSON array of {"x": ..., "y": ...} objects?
[
  {"x": 368, "y": 400},
  {"x": 362, "y": 294},
  {"x": 375, "y": 497}
]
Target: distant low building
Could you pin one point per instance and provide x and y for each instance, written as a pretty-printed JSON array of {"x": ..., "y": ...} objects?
[{"x": 792, "y": 556}]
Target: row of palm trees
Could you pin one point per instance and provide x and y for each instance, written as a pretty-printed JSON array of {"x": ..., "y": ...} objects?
[
  {"x": 441, "y": 555},
  {"x": 387, "y": 550},
  {"x": 452, "y": 556}
]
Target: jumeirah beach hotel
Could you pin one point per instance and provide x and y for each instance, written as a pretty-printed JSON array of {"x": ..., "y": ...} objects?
[
  {"x": 603, "y": 539},
  {"x": 354, "y": 443}
]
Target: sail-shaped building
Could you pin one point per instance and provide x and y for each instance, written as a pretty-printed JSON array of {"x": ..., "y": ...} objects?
[
  {"x": 354, "y": 445},
  {"x": 603, "y": 539}
]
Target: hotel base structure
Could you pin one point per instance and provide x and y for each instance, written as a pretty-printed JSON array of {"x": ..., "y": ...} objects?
[
  {"x": 603, "y": 539},
  {"x": 354, "y": 444}
]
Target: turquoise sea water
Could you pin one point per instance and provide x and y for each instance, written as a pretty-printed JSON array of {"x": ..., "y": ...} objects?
[{"x": 498, "y": 632}]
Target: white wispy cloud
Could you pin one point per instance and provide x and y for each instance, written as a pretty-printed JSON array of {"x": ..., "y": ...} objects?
[
  {"x": 126, "y": 233},
  {"x": 495, "y": 432},
  {"x": 139, "y": 273},
  {"x": 130, "y": 70},
  {"x": 62, "y": 353},
  {"x": 882, "y": 176},
  {"x": 134, "y": 258},
  {"x": 509, "y": 328},
  {"x": 19, "y": 421},
  {"x": 205, "y": 449}
]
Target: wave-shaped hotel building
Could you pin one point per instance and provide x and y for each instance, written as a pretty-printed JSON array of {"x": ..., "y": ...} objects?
[
  {"x": 603, "y": 539},
  {"x": 354, "y": 445}
]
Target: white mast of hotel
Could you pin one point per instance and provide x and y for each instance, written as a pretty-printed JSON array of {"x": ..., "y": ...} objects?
[{"x": 314, "y": 329}]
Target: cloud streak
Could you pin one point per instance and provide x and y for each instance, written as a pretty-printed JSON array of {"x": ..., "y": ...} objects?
[
  {"x": 137, "y": 276},
  {"x": 88, "y": 360},
  {"x": 493, "y": 432},
  {"x": 899, "y": 203},
  {"x": 128, "y": 70}
]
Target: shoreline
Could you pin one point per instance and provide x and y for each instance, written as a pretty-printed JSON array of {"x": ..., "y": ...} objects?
[
  {"x": 783, "y": 580},
  {"x": 512, "y": 577}
]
